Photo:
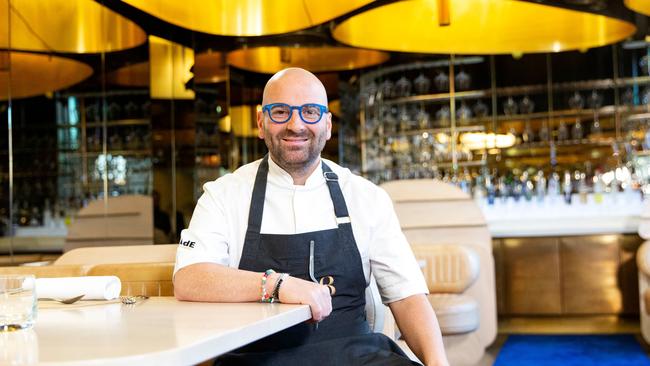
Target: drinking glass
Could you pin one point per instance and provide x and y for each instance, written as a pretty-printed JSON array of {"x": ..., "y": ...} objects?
[{"x": 17, "y": 302}]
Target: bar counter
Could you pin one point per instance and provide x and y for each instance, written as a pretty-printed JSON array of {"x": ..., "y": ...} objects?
[{"x": 620, "y": 214}]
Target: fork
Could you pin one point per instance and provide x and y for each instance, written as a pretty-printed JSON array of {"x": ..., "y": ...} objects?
[{"x": 131, "y": 300}]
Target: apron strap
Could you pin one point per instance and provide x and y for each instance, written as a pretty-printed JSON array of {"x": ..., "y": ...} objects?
[
  {"x": 256, "y": 210},
  {"x": 340, "y": 208},
  {"x": 257, "y": 201}
]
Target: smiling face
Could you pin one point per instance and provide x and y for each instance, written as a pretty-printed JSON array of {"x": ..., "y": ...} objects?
[{"x": 295, "y": 146}]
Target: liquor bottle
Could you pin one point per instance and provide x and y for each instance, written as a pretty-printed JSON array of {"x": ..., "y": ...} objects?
[
  {"x": 567, "y": 187},
  {"x": 465, "y": 182},
  {"x": 47, "y": 215},
  {"x": 540, "y": 188},
  {"x": 598, "y": 188},
  {"x": 490, "y": 188},
  {"x": 577, "y": 132},
  {"x": 583, "y": 188},
  {"x": 503, "y": 188},
  {"x": 517, "y": 187},
  {"x": 554, "y": 184},
  {"x": 479, "y": 192},
  {"x": 526, "y": 186}
]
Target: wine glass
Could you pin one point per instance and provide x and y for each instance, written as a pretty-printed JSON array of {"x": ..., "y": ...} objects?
[
  {"x": 510, "y": 107},
  {"x": 402, "y": 87},
  {"x": 480, "y": 109},
  {"x": 463, "y": 80},
  {"x": 442, "y": 81},
  {"x": 576, "y": 101},
  {"x": 422, "y": 84}
]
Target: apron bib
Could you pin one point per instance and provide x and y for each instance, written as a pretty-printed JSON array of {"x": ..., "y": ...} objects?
[{"x": 330, "y": 257}]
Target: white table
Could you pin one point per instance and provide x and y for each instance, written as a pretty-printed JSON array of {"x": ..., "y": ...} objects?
[{"x": 157, "y": 331}]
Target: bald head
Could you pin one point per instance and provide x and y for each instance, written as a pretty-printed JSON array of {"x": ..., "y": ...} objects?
[{"x": 294, "y": 86}]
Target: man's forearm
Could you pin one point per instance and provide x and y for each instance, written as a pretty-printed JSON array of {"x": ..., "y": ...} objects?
[
  {"x": 216, "y": 283},
  {"x": 419, "y": 327}
]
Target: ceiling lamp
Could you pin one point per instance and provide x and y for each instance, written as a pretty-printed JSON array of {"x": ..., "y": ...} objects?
[
  {"x": 640, "y": 6},
  {"x": 209, "y": 68},
  {"x": 481, "y": 140},
  {"x": 272, "y": 59},
  {"x": 479, "y": 27},
  {"x": 72, "y": 26},
  {"x": 36, "y": 74},
  {"x": 248, "y": 17},
  {"x": 131, "y": 75}
]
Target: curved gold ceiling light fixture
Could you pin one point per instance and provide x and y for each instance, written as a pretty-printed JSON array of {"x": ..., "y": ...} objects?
[
  {"x": 479, "y": 27},
  {"x": 271, "y": 59},
  {"x": 209, "y": 68},
  {"x": 72, "y": 26},
  {"x": 246, "y": 17},
  {"x": 639, "y": 6},
  {"x": 36, "y": 74},
  {"x": 136, "y": 75}
]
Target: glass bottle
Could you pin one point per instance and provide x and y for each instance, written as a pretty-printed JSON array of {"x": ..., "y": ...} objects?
[
  {"x": 567, "y": 187},
  {"x": 583, "y": 188},
  {"x": 540, "y": 187},
  {"x": 490, "y": 188},
  {"x": 577, "y": 132},
  {"x": 598, "y": 188}
]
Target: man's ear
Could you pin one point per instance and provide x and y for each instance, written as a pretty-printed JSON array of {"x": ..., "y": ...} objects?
[
  {"x": 260, "y": 124},
  {"x": 329, "y": 125}
]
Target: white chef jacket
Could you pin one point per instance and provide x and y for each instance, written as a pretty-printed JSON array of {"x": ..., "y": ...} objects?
[{"x": 218, "y": 226}]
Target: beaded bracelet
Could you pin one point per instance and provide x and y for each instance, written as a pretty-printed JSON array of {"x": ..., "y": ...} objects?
[
  {"x": 265, "y": 296},
  {"x": 278, "y": 283}
]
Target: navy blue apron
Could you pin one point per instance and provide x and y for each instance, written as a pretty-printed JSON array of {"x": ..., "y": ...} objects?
[{"x": 330, "y": 256}]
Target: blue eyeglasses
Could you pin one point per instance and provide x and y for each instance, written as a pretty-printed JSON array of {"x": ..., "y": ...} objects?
[{"x": 310, "y": 113}]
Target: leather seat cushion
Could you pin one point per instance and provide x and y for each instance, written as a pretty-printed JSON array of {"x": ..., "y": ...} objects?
[{"x": 456, "y": 313}]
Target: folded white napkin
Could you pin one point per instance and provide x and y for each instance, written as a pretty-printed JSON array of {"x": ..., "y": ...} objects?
[{"x": 93, "y": 287}]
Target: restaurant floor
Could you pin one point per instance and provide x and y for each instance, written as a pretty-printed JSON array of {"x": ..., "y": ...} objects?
[{"x": 561, "y": 325}]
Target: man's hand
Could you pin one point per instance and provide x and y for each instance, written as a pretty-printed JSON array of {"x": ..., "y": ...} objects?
[{"x": 297, "y": 291}]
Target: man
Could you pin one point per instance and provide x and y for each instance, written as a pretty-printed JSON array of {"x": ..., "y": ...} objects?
[{"x": 295, "y": 213}]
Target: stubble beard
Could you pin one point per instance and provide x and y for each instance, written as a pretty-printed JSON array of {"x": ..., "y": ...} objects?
[{"x": 295, "y": 161}]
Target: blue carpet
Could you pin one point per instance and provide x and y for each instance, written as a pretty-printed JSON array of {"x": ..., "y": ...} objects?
[{"x": 572, "y": 350}]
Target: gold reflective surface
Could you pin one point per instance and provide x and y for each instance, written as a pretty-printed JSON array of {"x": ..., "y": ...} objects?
[
  {"x": 246, "y": 17},
  {"x": 170, "y": 65},
  {"x": 36, "y": 74},
  {"x": 208, "y": 68},
  {"x": 480, "y": 27},
  {"x": 640, "y": 6},
  {"x": 131, "y": 75},
  {"x": 315, "y": 59},
  {"x": 75, "y": 26}
]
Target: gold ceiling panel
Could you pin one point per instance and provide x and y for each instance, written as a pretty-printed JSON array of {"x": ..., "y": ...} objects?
[
  {"x": 130, "y": 75},
  {"x": 36, "y": 74},
  {"x": 480, "y": 27},
  {"x": 246, "y": 17},
  {"x": 271, "y": 59},
  {"x": 209, "y": 68},
  {"x": 73, "y": 26},
  {"x": 640, "y": 6}
]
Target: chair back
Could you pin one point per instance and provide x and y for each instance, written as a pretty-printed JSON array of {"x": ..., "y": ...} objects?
[
  {"x": 122, "y": 220},
  {"x": 432, "y": 213}
]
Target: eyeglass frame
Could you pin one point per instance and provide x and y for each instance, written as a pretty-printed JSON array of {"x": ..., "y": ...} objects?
[{"x": 267, "y": 108}]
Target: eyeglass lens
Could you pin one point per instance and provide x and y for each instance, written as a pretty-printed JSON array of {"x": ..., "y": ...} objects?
[{"x": 308, "y": 112}]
